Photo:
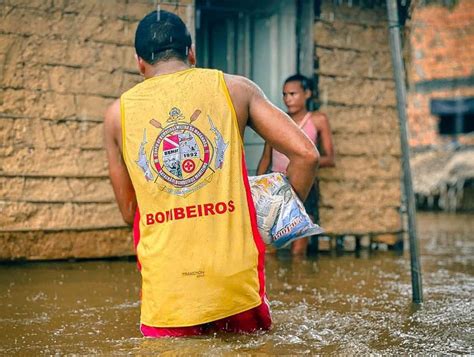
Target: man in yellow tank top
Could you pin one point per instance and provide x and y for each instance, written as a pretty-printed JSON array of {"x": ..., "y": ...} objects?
[{"x": 177, "y": 166}]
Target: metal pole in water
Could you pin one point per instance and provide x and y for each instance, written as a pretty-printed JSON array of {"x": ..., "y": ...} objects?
[{"x": 399, "y": 74}]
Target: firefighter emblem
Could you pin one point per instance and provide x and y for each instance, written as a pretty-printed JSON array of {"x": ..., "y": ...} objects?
[{"x": 182, "y": 155}]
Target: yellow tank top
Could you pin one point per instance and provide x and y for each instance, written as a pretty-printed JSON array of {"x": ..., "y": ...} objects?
[{"x": 200, "y": 252}]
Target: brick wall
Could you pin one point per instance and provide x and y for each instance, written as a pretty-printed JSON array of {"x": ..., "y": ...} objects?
[
  {"x": 356, "y": 90},
  {"x": 441, "y": 47},
  {"x": 62, "y": 63}
]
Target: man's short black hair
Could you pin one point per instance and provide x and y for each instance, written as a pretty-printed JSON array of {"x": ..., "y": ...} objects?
[
  {"x": 161, "y": 36},
  {"x": 304, "y": 81}
]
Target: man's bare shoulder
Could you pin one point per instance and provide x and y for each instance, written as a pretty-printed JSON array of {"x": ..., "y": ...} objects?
[
  {"x": 234, "y": 79},
  {"x": 242, "y": 91},
  {"x": 240, "y": 85},
  {"x": 112, "y": 117},
  {"x": 113, "y": 110}
]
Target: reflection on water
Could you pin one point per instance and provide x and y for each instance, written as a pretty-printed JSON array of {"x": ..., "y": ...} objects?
[{"x": 329, "y": 304}]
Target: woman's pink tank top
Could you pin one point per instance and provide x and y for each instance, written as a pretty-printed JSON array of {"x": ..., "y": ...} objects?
[{"x": 279, "y": 161}]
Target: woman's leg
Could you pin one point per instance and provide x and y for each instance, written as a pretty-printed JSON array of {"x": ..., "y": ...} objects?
[{"x": 299, "y": 246}]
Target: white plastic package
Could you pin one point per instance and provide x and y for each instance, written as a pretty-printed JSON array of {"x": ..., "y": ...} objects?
[{"x": 281, "y": 217}]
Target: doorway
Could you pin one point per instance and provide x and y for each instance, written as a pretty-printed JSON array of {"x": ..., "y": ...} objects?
[{"x": 256, "y": 39}]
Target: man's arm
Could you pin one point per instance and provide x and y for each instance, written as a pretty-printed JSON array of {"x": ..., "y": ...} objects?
[
  {"x": 278, "y": 130},
  {"x": 121, "y": 183}
]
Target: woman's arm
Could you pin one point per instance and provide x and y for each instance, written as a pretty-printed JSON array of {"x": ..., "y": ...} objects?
[
  {"x": 265, "y": 160},
  {"x": 327, "y": 158},
  {"x": 277, "y": 129}
]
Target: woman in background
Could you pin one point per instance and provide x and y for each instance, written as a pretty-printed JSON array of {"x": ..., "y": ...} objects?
[{"x": 296, "y": 92}]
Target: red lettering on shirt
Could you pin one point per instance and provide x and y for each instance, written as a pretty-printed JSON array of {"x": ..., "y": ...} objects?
[
  {"x": 208, "y": 208},
  {"x": 160, "y": 217},
  {"x": 231, "y": 206},
  {"x": 194, "y": 211},
  {"x": 179, "y": 213},
  {"x": 191, "y": 211},
  {"x": 149, "y": 219},
  {"x": 221, "y": 207}
]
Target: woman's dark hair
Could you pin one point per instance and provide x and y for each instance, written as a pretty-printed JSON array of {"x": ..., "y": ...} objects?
[
  {"x": 304, "y": 81},
  {"x": 161, "y": 36}
]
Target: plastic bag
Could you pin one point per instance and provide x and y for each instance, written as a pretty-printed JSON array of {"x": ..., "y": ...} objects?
[{"x": 281, "y": 217}]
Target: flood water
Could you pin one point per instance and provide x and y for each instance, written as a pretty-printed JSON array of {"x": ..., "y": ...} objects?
[{"x": 330, "y": 304}]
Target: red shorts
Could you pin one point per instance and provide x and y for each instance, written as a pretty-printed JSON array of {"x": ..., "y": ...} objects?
[{"x": 248, "y": 321}]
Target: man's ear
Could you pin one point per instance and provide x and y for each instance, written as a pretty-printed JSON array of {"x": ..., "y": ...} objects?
[
  {"x": 140, "y": 64},
  {"x": 192, "y": 55},
  {"x": 308, "y": 93}
]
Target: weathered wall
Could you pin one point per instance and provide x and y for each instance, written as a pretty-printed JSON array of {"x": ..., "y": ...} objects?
[
  {"x": 357, "y": 92},
  {"x": 62, "y": 63},
  {"x": 441, "y": 65}
]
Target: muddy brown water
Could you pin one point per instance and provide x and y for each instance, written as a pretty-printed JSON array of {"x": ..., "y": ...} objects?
[{"x": 328, "y": 304}]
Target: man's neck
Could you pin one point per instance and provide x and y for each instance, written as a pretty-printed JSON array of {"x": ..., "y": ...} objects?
[{"x": 165, "y": 67}]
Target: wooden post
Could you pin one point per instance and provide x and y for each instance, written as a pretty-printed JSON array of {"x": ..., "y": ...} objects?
[{"x": 399, "y": 74}]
